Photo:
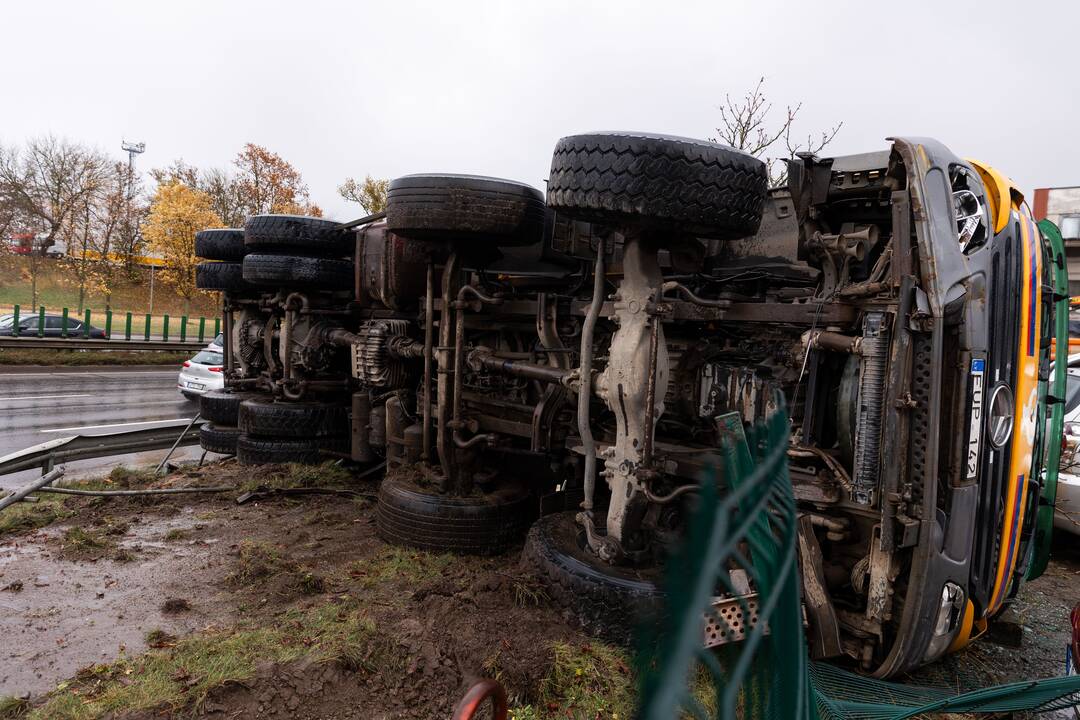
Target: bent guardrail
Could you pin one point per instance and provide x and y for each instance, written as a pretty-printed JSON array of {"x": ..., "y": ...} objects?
[{"x": 85, "y": 447}]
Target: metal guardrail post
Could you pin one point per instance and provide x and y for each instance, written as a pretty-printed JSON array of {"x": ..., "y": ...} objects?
[
  {"x": 146, "y": 332},
  {"x": 127, "y": 327},
  {"x": 165, "y": 328},
  {"x": 63, "y": 321},
  {"x": 217, "y": 326},
  {"x": 15, "y": 322},
  {"x": 183, "y": 328},
  {"x": 202, "y": 328},
  {"x": 108, "y": 324},
  {"x": 41, "y": 322},
  {"x": 86, "y": 324}
]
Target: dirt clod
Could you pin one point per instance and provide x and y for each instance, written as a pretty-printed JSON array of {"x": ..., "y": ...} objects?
[{"x": 175, "y": 605}]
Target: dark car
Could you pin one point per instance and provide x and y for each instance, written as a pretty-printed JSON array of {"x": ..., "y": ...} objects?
[{"x": 54, "y": 324}]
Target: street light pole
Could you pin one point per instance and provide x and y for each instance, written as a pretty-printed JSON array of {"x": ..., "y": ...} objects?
[{"x": 133, "y": 149}]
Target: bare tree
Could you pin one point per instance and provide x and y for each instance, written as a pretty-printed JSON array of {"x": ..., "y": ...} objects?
[
  {"x": 118, "y": 209},
  {"x": 747, "y": 125},
  {"x": 225, "y": 197},
  {"x": 44, "y": 185}
]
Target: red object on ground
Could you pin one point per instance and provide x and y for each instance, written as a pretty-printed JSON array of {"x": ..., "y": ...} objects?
[
  {"x": 1074, "y": 618},
  {"x": 476, "y": 696}
]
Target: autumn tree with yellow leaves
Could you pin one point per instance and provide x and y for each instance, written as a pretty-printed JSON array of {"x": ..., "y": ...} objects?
[
  {"x": 177, "y": 212},
  {"x": 261, "y": 182},
  {"x": 370, "y": 193}
]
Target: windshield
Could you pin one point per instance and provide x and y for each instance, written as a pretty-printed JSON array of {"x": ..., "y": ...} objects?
[
  {"x": 207, "y": 357},
  {"x": 6, "y": 320}
]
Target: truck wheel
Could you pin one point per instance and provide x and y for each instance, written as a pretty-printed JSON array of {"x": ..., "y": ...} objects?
[
  {"x": 268, "y": 418},
  {"x": 672, "y": 183},
  {"x": 221, "y": 244},
  {"x": 297, "y": 233},
  {"x": 219, "y": 438},
  {"x": 484, "y": 524},
  {"x": 466, "y": 208},
  {"x": 606, "y": 600},
  {"x": 222, "y": 407},
  {"x": 295, "y": 270},
  {"x": 309, "y": 451},
  {"x": 227, "y": 276}
]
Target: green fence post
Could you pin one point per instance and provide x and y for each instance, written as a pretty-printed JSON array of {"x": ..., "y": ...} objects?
[
  {"x": 15, "y": 322},
  {"x": 41, "y": 322},
  {"x": 86, "y": 324},
  {"x": 127, "y": 327},
  {"x": 202, "y": 328},
  {"x": 63, "y": 322},
  {"x": 217, "y": 326},
  {"x": 183, "y": 328},
  {"x": 146, "y": 333},
  {"x": 108, "y": 324},
  {"x": 165, "y": 328}
]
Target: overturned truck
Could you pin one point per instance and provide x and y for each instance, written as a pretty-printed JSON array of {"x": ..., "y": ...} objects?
[{"x": 571, "y": 367}]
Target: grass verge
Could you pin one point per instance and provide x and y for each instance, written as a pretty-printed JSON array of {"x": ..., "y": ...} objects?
[
  {"x": 13, "y": 707},
  {"x": 588, "y": 681},
  {"x": 184, "y": 671},
  {"x": 24, "y": 517},
  {"x": 327, "y": 475},
  {"x": 397, "y": 564},
  {"x": 92, "y": 357}
]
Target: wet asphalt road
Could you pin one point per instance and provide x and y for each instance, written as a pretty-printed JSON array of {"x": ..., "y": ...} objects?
[{"x": 38, "y": 405}]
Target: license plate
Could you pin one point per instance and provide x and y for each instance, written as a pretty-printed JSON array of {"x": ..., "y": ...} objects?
[{"x": 196, "y": 386}]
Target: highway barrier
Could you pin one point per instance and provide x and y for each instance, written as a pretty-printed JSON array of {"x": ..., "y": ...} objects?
[{"x": 33, "y": 335}]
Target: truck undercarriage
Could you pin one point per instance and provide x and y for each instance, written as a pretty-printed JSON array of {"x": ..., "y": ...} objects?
[{"x": 591, "y": 358}]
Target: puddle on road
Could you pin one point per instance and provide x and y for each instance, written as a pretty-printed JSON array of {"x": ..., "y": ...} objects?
[{"x": 72, "y": 614}]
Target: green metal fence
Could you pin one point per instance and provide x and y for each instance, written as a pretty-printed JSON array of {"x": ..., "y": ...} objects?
[
  {"x": 751, "y": 528},
  {"x": 188, "y": 328}
]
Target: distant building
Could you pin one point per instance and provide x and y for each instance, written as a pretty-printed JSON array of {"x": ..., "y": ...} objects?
[{"x": 1062, "y": 207}]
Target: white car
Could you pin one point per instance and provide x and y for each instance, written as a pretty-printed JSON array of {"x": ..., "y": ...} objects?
[
  {"x": 202, "y": 373},
  {"x": 217, "y": 344},
  {"x": 1067, "y": 503}
]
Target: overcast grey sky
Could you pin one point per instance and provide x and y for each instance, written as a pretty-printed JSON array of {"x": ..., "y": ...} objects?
[{"x": 488, "y": 87}]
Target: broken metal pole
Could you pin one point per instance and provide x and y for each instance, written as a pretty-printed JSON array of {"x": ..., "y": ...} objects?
[
  {"x": 22, "y": 492},
  {"x": 177, "y": 443}
]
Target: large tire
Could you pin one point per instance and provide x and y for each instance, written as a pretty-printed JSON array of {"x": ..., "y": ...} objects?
[
  {"x": 605, "y": 600},
  {"x": 309, "y": 451},
  {"x": 294, "y": 270},
  {"x": 674, "y": 184},
  {"x": 219, "y": 438},
  {"x": 221, "y": 244},
  {"x": 222, "y": 407},
  {"x": 267, "y": 418},
  {"x": 466, "y": 208},
  {"x": 307, "y": 235},
  {"x": 483, "y": 524},
  {"x": 222, "y": 276}
]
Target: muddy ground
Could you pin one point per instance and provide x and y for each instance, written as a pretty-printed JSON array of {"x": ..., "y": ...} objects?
[{"x": 195, "y": 606}]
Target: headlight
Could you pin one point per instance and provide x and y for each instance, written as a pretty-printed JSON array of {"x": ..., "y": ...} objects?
[{"x": 948, "y": 618}]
